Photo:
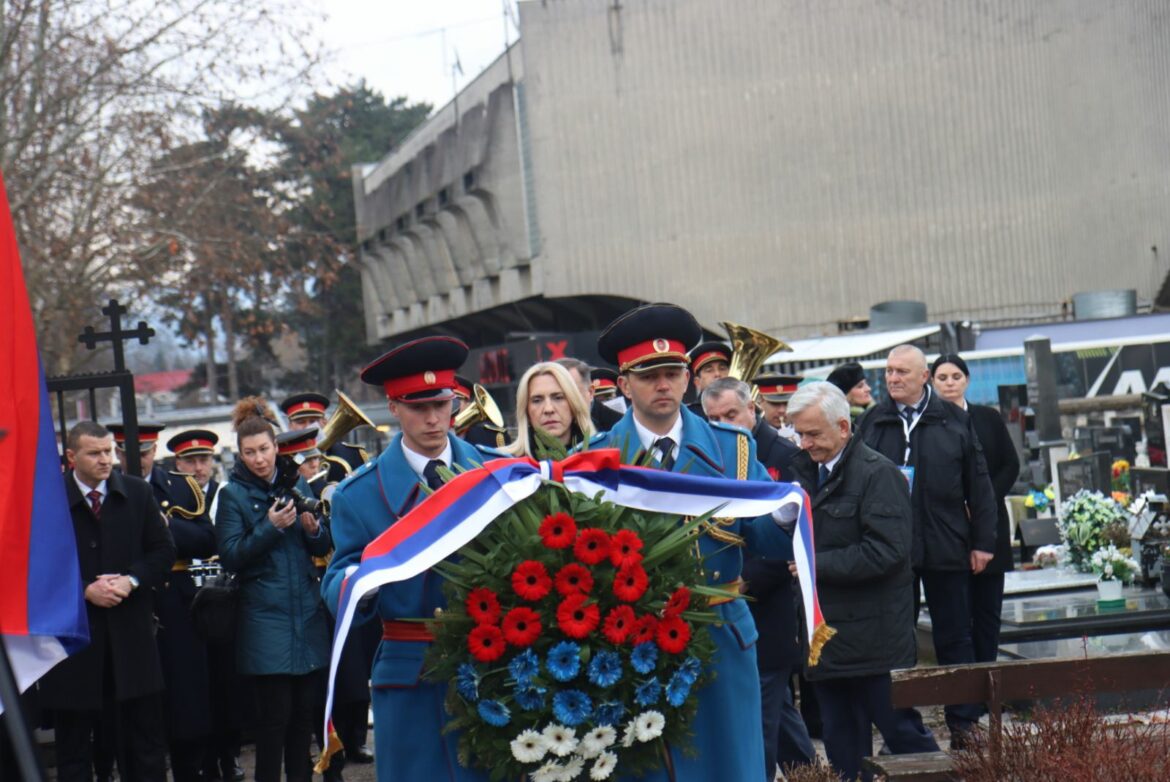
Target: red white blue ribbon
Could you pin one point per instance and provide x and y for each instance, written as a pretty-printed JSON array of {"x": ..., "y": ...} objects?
[{"x": 452, "y": 516}]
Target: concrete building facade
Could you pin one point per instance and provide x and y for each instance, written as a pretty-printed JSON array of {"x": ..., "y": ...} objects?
[{"x": 780, "y": 163}]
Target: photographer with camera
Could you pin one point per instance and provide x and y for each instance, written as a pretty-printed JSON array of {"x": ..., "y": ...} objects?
[{"x": 268, "y": 537}]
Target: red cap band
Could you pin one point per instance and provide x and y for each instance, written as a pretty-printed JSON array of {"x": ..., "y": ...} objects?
[
  {"x": 297, "y": 447},
  {"x": 424, "y": 381},
  {"x": 713, "y": 355},
  {"x": 143, "y": 437},
  {"x": 302, "y": 408},
  {"x": 791, "y": 389},
  {"x": 654, "y": 348},
  {"x": 192, "y": 444},
  {"x": 604, "y": 382}
]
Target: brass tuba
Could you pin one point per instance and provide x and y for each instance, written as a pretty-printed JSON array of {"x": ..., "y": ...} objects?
[
  {"x": 749, "y": 350},
  {"x": 347, "y": 417},
  {"x": 481, "y": 407}
]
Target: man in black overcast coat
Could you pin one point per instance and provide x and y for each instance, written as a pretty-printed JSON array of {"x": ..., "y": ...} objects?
[
  {"x": 935, "y": 445},
  {"x": 124, "y": 550},
  {"x": 863, "y": 526}
]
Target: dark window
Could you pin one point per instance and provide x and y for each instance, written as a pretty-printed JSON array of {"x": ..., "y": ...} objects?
[
  {"x": 400, "y": 223},
  {"x": 420, "y": 209},
  {"x": 469, "y": 181},
  {"x": 444, "y": 197}
]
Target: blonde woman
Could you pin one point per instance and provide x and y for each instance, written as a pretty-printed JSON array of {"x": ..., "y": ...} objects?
[{"x": 548, "y": 399}]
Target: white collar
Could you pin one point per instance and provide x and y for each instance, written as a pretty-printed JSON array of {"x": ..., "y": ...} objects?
[
  {"x": 418, "y": 462},
  {"x": 832, "y": 463},
  {"x": 648, "y": 438},
  {"x": 101, "y": 488}
]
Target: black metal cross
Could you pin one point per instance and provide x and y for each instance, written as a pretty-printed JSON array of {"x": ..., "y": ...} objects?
[{"x": 116, "y": 335}]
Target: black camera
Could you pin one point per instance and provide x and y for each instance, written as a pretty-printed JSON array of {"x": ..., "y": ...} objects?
[{"x": 284, "y": 489}]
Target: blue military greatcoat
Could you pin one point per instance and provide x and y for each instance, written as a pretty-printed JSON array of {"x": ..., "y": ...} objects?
[
  {"x": 408, "y": 712},
  {"x": 728, "y": 731}
]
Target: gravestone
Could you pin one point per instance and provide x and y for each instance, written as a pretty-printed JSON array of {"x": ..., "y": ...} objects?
[{"x": 1093, "y": 472}]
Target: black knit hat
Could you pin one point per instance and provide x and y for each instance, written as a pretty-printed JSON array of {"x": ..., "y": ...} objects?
[{"x": 846, "y": 376}]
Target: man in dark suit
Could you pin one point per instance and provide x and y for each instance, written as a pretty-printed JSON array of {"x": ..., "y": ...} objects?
[
  {"x": 603, "y": 417},
  {"x": 786, "y": 740},
  {"x": 124, "y": 550},
  {"x": 935, "y": 446},
  {"x": 863, "y": 527}
]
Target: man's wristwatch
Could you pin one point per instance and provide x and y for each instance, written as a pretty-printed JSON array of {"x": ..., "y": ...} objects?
[{"x": 133, "y": 581}]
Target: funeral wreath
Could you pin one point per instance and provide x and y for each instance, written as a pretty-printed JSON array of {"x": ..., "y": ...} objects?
[{"x": 574, "y": 640}]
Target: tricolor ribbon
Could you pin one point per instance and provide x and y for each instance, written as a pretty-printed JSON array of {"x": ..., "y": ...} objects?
[
  {"x": 804, "y": 551},
  {"x": 464, "y": 506}
]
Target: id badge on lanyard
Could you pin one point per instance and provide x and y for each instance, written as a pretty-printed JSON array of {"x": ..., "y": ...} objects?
[{"x": 907, "y": 470}]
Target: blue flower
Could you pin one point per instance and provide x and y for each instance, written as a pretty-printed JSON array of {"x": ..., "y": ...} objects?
[
  {"x": 644, "y": 657},
  {"x": 605, "y": 669},
  {"x": 572, "y": 707},
  {"x": 677, "y": 689},
  {"x": 648, "y": 692},
  {"x": 690, "y": 669},
  {"x": 524, "y": 666},
  {"x": 530, "y": 697},
  {"x": 467, "y": 682},
  {"x": 494, "y": 713},
  {"x": 610, "y": 713},
  {"x": 564, "y": 661}
]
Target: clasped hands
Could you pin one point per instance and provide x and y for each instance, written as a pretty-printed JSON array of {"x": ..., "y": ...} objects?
[{"x": 107, "y": 591}]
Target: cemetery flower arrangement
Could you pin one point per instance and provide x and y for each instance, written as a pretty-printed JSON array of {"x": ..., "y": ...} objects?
[
  {"x": 574, "y": 640},
  {"x": 1039, "y": 500},
  {"x": 1087, "y": 520},
  {"x": 1049, "y": 556},
  {"x": 1121, "y": 476},
  {"x": 1112, "y": 564}
]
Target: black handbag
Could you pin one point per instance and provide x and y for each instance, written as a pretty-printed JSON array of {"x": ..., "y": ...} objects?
[{"x": 216, "y": 606}]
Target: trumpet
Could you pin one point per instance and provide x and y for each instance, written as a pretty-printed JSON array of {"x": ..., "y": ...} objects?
[{"x": 481, "y": 407}]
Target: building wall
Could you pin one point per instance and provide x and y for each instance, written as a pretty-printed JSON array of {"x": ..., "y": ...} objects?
[
  {"x": 787, "y": 163},
  {"x": 442, "y": 220}
]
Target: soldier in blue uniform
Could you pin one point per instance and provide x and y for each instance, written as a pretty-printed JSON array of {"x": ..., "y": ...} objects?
[
  {"x": 170, "y": 488},
  {"x": 649, "y": 345},
  {"x": 308, "y": 410},
  {"x": 409, "y": 716}
]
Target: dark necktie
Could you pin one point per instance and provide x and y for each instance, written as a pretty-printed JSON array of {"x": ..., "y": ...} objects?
[
  {"x": 95, "y": 503},
  {"x": 822, "y": 476},
  {"x": 431, "y": 473},
  {"x": 665, "y": 447},
  {"x": 908, "y": 414}
]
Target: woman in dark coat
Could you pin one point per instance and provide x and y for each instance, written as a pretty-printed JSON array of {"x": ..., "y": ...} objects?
[
  {"x": 950, "y": 377},
  {"x": 282, "y": 637}
]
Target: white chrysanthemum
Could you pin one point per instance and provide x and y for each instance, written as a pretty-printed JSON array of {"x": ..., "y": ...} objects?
[
  {"x": 572, "y": 769},
  {"x": 595, "y": 741},
  {"x": 549, "y": 772},
  {"x": 604, "y": 765},
  {"x": 648, "y": 725},
  {"x": 628, "y": 735},
  {"x": 559, "y": 739},
  {"x": 529, "y": 747}
]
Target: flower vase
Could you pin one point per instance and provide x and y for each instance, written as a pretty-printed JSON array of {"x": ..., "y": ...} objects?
[{"x": 1109, "y": 591}]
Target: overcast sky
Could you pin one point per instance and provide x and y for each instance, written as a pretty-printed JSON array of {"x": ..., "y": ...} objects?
[{"x": 408, "y": 47}]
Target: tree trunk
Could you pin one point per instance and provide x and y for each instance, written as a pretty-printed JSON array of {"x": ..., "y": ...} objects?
[
  {"x": 229, "y": 339},
  {"x": 212, "y": 374}
]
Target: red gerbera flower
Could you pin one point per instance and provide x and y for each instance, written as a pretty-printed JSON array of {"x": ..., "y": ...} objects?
[
  {"x": 630, "y": 583},
  {"x": 592, "y": 546},
  {"x": 521, "y": 626},
  {"x": 573, "y": 579},
  {"x": 483, "y": 606},
  {"x": 625, "y": 548},
  {"x": 643, "y": 630},
  {"x": 679, "y": 601},
  {"x": 486, "y": 643},
  {"x": 558, "y": 530},
  {"x": 576, "y": 618},
  {"x": 673, "y": 634},
  {"x": 619, "y": 622},
  {"x": 530, "y": 580}
]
